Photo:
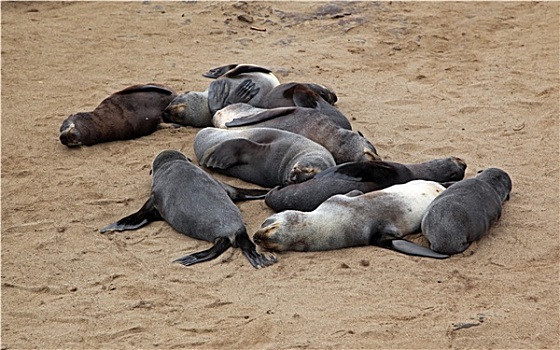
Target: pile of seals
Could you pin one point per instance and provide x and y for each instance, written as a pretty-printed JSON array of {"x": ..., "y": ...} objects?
[{"x": 327, "y": 184}]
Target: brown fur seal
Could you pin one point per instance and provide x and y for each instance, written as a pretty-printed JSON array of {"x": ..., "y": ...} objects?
[
  {"x": 130, "y": 113},
  {"x": 362, "y": 176},
  {"x": 195, "y": 204},
  {"x": 194, "y": 108},
  {"x": 381, "y": 218},
  {"x": 345, "y": 145},
  {"x": 466, "y": 211},
  {"x": 264, "y": 156},
  {"x": 306, "y": 95}
]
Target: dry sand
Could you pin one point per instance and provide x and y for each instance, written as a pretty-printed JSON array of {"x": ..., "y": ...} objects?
[{"x": 420, "y": 80}]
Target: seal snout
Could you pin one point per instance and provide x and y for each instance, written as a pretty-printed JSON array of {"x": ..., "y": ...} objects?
[
  {"x": 70, "y": 136},
  {"x": 370, "y": 155},
  {"x": 265, "y": 236}
]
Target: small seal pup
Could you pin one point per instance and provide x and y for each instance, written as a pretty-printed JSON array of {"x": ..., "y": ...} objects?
[
  {"x": 195, "y": 204},
  {"x": 264, "y": 156},
  {"x": 345, "y": 145},
  {"x": 362, "y": 176},
  {"x": 130, "y": 113},
  {"x": 466, "y": 211},
  {"x": 381, "y": 218},
  {"x": 194, "y": 108}
]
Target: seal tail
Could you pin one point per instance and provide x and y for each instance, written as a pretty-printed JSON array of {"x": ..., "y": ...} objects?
[
  {"x": 142, "y": 217},
  {"x": 249, "y": 250},
  {"x": 409, "y": 248},
  {"x": 221, "y": 245}
]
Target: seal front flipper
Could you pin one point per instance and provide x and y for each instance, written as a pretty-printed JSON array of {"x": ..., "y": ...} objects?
[
  {"x": 371, "y": 171},
  {"x": 230, "y": 153},
  {"x": 261, "y": 116},
  {"x": 410, "y": 248},
  {"x": 142, "y": 217},
  {"x": 245, "y": 68},
  {"x": 243, "y": 93},
  {"x": 249, "y": 249},
  {"x": 302, "y": 96},
  {"x": 218, "y": 93},
  {"x": 243, "y": 194},
  {"x": 221, "y": 245}
]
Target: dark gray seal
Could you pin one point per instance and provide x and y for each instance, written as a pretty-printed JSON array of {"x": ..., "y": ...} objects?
[
  {"x": 466, "y": 211},
  {"x": 130, "y": 113},
  {"x": 264, "y": 156},
  {"x": 381, "y": 218},
  {"x": 345, "y": 145},
  {"x": 195, "y": 204},
  {"x": 194, "y": 108},
  {"x": 362, "y": 176},
  {"x": 306, "y": 95}
]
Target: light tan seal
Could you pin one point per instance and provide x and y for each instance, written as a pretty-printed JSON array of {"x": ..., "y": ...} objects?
[{"x": 381, "y": 218}]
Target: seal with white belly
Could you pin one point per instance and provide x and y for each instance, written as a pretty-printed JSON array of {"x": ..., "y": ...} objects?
[
  {"x": 466, "y": 211},
  {"x": 197, "y": 205},
  {"x": 264, "y": 156},
  {"x": 380, "y": 218}
]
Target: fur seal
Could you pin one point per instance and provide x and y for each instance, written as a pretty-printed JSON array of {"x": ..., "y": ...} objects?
[
  {"x": 362, "y": 176},
  {"x": 345, "y": 145},
  {"x": 466, "y": 211},
  {"x": 306, "y": 95},
  {"x": 194, "y": 108},
  {"x": 381, "y": 218},
  {"x": 130, "y": 113},
  {"x": 264, "y": 156},
  {"x": 195, "y": 204}
]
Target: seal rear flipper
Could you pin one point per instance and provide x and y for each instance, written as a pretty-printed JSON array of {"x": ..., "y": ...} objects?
[
  {"x": 245, "y": 68},
  {"x": 222, "y": 244},
  {"x": 142, "y": 217},
  {"x": 243, "y": 194},
  {"x": 230, "y": 153},
  {"x": 410, "y": 248},
  {"x": 249, "y": 249},
  {"x": 217, "y": 72},
  {"x": 261, "y": 116}
]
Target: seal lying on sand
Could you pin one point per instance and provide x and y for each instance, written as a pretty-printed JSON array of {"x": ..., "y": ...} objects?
[
  {"x": 362, "y": 176},
  {"x": 130, "y": 113},
  {"x": 195, "y": 204},
  {"x": 345, "y": 145},
  {"x": 197, "y": 108},
  {"x": 307, "y": 95},
  {"x": 381, "y": 218},
  {"x": 466, "y": 211},
  {"x": 264, "y": 156}
]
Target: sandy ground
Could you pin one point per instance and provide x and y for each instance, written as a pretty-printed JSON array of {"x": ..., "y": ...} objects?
[{"x": 421, "y": 80}]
